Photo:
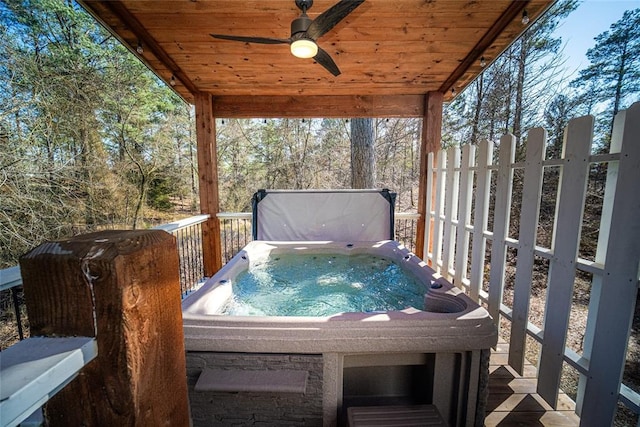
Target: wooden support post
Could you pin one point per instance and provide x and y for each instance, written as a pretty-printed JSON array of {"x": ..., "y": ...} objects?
[
  {"x": 430, "y": 143},
  {"x": 208, "y": 179},
  {"x": 121, "y": 287}
]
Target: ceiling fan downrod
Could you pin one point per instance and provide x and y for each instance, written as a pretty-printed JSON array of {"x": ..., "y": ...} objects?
[
  {"x": 304, "y": 5},
  {"x": 301, "y": 23}
]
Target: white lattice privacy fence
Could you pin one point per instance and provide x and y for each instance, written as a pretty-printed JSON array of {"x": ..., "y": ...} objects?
[{"x": 467, "y": 182}]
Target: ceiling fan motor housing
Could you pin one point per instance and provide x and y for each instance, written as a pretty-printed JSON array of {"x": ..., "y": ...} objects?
[{"x": 300, "y": 24}]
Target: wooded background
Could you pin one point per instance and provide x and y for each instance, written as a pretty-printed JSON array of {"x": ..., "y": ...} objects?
[{"x": 91, "y": 139}]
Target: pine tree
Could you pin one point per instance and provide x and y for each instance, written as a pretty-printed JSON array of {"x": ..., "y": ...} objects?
[
  {"x": 508, "y": 96},
  {"x": 613, "y": 76},
  {"x": 556, "y": 118},
  {"x": 86, "y": 130}
]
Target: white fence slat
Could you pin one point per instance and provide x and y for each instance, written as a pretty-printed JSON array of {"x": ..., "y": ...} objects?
[
  {"x": 464, "y": 214},
  {"x": 529, "y": 210},
  {"x": 481, "y": 215},
  {"x": 565, "y": 243},
  {"x": 601, "y": 249},
  {"x": 428, "y": 217},
  {"x": 616, "y": 305},
  {"x": 450, "y": 209},
  {"x": 439, "y": 209},
  {"x": 501, "y": 212}
]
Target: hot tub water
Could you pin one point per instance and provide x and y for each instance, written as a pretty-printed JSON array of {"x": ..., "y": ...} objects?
[{"x": 323, "y": 285}]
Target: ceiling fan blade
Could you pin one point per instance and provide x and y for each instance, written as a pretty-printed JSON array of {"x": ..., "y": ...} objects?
[
  {"x": 330, "y": 17},
  {"x": 261, "y": 40},
  {"x": 323, "y": 58}
]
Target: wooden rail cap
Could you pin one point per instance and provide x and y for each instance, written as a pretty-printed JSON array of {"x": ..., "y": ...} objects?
[{"x": 36, "y": 368}]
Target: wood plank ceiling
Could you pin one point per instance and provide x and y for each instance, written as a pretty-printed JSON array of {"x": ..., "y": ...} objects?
[{"x": 391, "y": 52}]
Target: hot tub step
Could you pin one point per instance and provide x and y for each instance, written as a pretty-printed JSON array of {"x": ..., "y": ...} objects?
[
  {"x": 235, "y": 380},
  {"x": 389, "y": 416}
]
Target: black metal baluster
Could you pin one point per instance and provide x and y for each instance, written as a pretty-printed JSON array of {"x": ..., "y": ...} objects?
[{"x": 16, "y": 307}]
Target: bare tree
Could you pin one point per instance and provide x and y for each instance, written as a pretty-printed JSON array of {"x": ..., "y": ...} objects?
[{"x": 363, "y": 166}]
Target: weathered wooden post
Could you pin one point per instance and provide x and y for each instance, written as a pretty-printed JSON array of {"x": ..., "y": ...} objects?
[{"x": 123, "y": 288}]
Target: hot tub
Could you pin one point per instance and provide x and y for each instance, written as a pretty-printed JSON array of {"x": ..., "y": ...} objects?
[{"x": 434, "y": 354}]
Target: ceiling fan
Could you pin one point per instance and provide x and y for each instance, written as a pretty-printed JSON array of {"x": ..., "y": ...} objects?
[{"x": 305, "y": 32}]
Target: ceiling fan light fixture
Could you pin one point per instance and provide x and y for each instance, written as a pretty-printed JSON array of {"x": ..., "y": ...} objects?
[
  {"x": 305, "y": 31},
  {"x": 304, "y": 48}
]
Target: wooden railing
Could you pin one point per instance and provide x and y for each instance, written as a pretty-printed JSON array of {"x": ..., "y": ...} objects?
[
  {"x": 459, "y": 235},
  {"x": 406, "y": 225}
]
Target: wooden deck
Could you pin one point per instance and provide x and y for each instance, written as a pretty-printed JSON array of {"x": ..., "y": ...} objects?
[{"x": 513, "y": 400}]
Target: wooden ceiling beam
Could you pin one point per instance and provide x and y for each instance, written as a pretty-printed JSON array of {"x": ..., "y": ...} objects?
[
  {"x": 362, "y": 90},
  {"x": 305, "y": 106}
]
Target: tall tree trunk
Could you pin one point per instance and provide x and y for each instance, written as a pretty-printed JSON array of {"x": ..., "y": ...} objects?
[
  {"x": 142, "y": 184},
  {"x": 507, "y": 97},
  {"x": 517, "y": 119},
  {"x": 363, "y": 159},
  {"x": 478, "y": 108},
  {"x": 86, "y": 178},
  {"x": 142, "y": 192},
  {"x": 192, "y": 163}
]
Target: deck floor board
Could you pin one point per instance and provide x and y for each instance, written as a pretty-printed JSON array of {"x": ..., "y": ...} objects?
[{"x": 513, "y": 400}]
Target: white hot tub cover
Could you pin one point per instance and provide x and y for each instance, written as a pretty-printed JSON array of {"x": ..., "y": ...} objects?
[{"x": 319, "y": 215}]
